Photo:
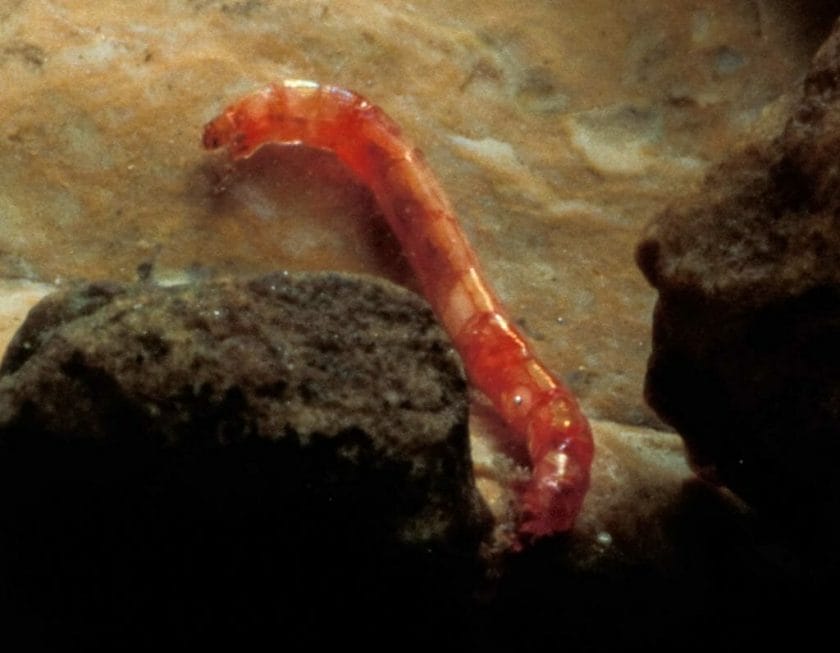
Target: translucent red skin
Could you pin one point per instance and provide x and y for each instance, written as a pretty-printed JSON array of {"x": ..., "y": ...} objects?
[{"x": 536, "y": 406}]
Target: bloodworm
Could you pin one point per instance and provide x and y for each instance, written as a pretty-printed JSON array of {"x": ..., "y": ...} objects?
[{"x": 536, "y": 406}]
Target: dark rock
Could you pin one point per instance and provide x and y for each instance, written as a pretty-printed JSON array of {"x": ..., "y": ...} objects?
[
  {"x": 233, "y": 458},
  {"x": 746, "y": 360}
]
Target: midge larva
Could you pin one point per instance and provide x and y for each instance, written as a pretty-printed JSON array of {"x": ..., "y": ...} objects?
[{"x": 536, "y": 406}]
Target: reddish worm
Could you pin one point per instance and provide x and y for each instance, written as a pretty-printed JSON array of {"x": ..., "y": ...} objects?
[{"x": 538, "y": 409}]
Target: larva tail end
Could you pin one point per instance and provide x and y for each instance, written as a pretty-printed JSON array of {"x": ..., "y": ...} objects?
[
  {"x": 553, "y": 499},
  {"x": 559, "y": 519}
]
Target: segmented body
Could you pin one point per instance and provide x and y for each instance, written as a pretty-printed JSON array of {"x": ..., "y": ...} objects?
[{"x": 535, "y": 405}]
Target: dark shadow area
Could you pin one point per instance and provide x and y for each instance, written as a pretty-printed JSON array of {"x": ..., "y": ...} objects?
[{"x": 105, "y": 545}]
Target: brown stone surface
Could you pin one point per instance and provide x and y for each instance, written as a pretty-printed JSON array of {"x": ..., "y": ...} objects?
[
  {"x": 746, "y": 350},
  {"x": 224, "y": 441},
  {"x": 558, "y": 129},
  {"x": 17, "y": 296}
]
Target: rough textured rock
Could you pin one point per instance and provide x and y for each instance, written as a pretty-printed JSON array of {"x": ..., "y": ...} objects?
[
  {"x": 230, "y": 457},
  {"x": 234, "y": 456},
  {"x": 746, "y": 349}
]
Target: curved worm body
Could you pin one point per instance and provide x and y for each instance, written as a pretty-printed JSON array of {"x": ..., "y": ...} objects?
[{"x": 535, "y": 405}]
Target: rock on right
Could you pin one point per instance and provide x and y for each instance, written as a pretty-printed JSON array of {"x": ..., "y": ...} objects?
[{"x": 746, "y": 334}]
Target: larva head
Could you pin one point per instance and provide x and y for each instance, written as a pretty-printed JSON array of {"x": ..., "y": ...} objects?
[
  {"x": 242, "y": 127},
  {"x": 218, "y": 132},
  {"x": 231, "y": 131}
]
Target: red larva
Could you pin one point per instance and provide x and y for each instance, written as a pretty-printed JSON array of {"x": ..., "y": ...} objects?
[{"x": 536, "y": 406}]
